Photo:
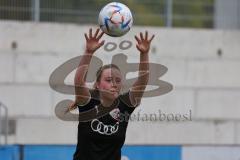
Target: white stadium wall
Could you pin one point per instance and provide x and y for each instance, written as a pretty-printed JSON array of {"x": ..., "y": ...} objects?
[{"x": 203, "y": 66}]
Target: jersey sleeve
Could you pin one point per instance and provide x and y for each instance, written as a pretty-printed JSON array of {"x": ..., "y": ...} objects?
[
  {"x": 92, "y": 101},
  {"x": 126, "y": 102}
]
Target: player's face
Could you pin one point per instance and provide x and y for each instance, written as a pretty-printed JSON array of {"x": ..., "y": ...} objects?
[{"x": 111, "y": 81}]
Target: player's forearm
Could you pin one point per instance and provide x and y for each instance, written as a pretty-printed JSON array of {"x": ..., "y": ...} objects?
[
  {"x": 143, "y": 74},
  {"x": 81, "y": 73}
]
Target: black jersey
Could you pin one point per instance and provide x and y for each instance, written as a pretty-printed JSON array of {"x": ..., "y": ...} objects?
[{"x": 102, "y": 138}]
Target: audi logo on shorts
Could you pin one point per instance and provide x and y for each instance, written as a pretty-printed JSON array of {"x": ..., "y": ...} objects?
[{"x": 100, "y": 127}]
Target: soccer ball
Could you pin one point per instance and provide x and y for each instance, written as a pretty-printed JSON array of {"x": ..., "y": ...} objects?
[{"x": 115, "y": 19}]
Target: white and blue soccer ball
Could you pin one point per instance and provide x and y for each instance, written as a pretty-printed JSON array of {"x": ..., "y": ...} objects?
[{"x": 115, "y": 19}]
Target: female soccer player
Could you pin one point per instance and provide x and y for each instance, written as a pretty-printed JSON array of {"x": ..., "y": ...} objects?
[{"x": 103, "y": 137}]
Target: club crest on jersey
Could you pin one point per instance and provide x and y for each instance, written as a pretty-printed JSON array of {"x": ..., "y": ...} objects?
[{"x": 115, "y": 113}]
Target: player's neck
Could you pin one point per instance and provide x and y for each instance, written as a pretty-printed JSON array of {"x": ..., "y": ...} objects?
[{"x": 106, "y": 102}]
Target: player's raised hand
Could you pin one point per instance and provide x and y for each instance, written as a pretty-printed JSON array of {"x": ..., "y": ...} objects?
[
  {"x": 143, "y": 42},
  {"x": 93, "y": 41}
]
